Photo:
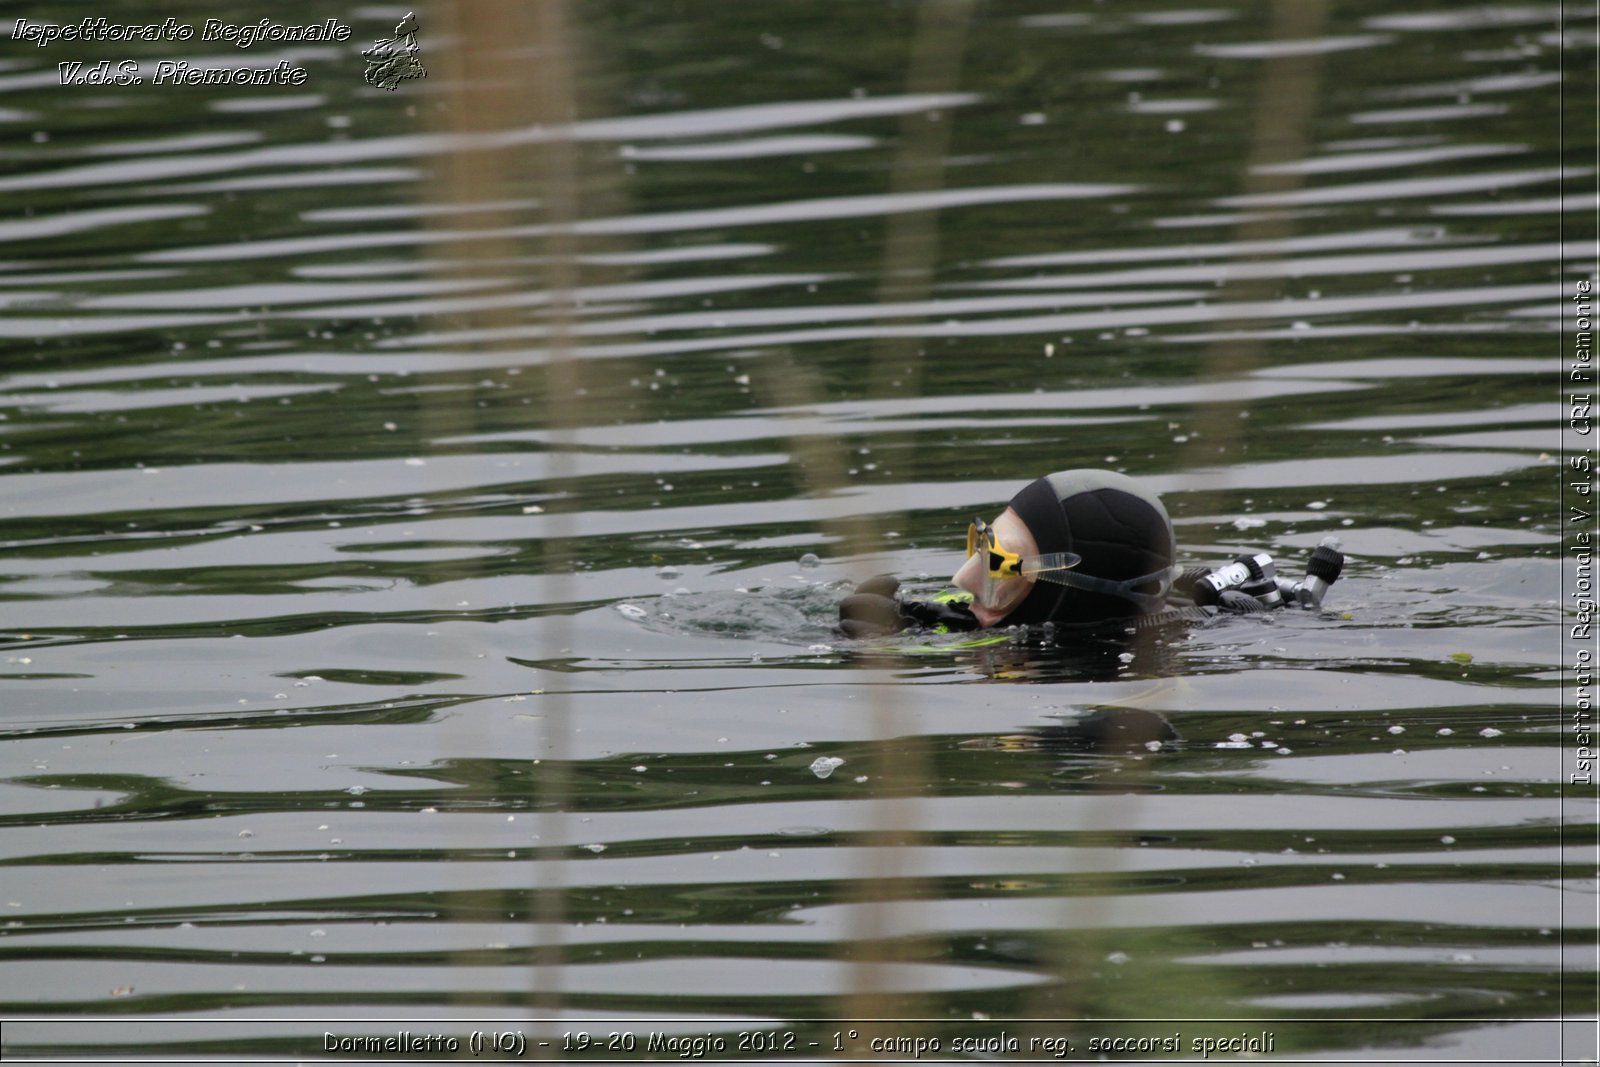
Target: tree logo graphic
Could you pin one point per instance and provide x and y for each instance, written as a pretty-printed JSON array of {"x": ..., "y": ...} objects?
[{"x": 394, "y": 59}]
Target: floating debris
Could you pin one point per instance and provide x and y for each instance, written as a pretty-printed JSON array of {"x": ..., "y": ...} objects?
[{"x": 823, "y": 766}]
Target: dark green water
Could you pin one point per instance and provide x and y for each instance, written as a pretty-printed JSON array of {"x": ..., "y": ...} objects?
[{"x": 367, "y": 658}]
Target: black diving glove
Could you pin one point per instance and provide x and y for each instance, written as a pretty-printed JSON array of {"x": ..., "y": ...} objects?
[{"x": 873, "y": 611}]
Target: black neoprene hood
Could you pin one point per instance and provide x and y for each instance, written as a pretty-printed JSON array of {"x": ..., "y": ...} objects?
[{"x": 1119, "y": 528}]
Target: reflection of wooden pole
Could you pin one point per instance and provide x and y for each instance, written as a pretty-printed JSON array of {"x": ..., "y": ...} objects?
[
  {"x": 556, "y": 167},
  {"x": 1285, "y": 109},
  {"x": 508, "y": 65},
  {"x": 1284, "y": 112},
  {"x": 898, "y": 767}
]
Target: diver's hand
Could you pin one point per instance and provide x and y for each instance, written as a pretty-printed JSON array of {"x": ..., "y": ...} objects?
[
  {"x": 1237, "y": 602},
  {"x": 872, "y": 610},
  {"x": 880, "y": 585}
]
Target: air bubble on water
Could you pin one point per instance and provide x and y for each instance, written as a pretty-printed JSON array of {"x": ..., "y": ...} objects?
[
  {"x": 1397, "y": 729},
  {"x": 1489, "y": 731},
  {"x": 1119, "y": 958},
  {"x": 357, "y": 790},
  {"x": 668, "y": 573},
  {"x": 631, "y": 611},
  {"x": 810, "y": 560},
  {"x": 596, "y": 848}
]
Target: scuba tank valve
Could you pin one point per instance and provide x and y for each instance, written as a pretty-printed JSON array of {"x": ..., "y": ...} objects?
[
  {"x": 1324, "y": 568},
  {"x": 1252, "y": 575}
]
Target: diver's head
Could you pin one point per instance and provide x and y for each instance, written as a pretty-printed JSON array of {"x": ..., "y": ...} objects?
[{"x": 1074, "y": 548}]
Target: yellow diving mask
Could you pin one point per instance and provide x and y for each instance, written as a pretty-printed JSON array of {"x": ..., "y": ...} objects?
[{"x": 1001, "y": 566}]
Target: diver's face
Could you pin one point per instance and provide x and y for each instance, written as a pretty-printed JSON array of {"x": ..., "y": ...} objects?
[{"x": 1003, "y": 596}]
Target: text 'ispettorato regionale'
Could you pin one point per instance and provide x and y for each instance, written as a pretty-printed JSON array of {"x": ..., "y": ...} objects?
[{"x": 98, "y": 30}]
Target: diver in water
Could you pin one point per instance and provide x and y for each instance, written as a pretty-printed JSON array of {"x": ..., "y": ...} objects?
[{"x": 1083, "y": 550}]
